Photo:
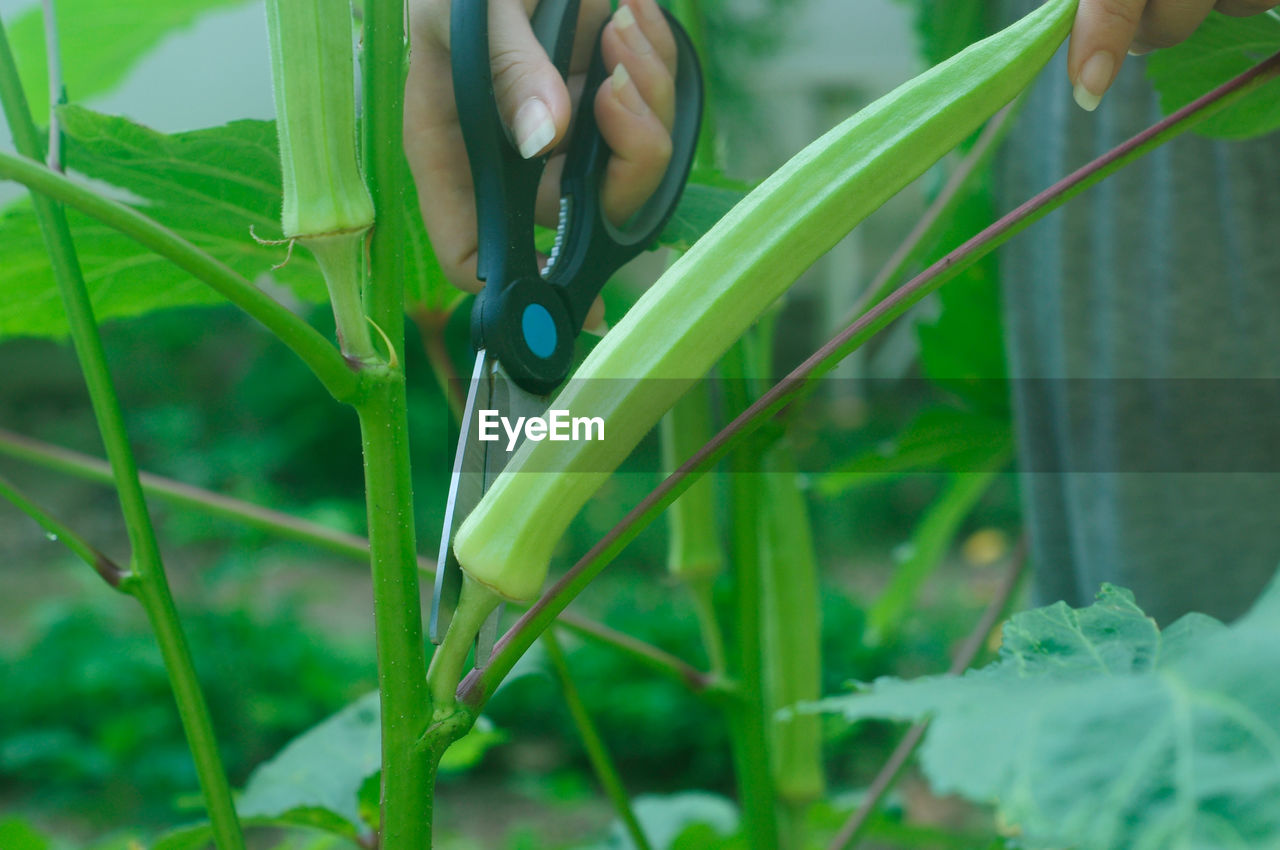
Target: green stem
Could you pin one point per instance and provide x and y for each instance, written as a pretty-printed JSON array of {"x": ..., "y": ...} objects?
[
  {"x": 383, "y": 76},
  {"x": 402, "y": 667},
  {"x": 704, "y": 608},
  {"x": 476, "y": 688},
  {"x": 475, "y": 603},
  {"x": 151, "y": 587},
  {"x": 339, "y": 542},
  {"x": 938, "y": 213},
  {"x": 111, "y": 572},
  {"x": 597, "y": 753},
  {"x": 856, "y": 826},
  {"x": 748, "y": 724},
  {"x": 320, "y": 356},
  {"x": 339, "y": 258},
  {"x": 187, "y": 496}
]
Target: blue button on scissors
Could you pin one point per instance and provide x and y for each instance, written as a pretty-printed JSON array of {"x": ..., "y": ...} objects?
[{"x": 525, "y": 321}]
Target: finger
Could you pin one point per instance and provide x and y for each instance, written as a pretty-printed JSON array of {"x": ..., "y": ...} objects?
[
  {"x": 532, "y": 98},
  {"x": 1169, "y": 22},
  {"x": 656, "y": 29},
  {"x": 1245, "y": 8},
  {"x": 433, "y": 146},
  {"x": 1100, "y": 38},
  {"x": 641, "y": 146},
  {"x": 624, "y": 41},
  {"x": 595, "y": 323}
]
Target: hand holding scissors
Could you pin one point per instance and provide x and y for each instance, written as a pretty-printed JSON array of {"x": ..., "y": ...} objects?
[{"x": 528, "y": 315}]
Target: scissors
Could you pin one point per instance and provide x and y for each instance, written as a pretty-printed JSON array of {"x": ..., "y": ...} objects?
[{"x": 525, "y": 321}]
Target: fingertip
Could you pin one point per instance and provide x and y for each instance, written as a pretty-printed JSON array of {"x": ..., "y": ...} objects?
[{"x": 534, "y": 128}]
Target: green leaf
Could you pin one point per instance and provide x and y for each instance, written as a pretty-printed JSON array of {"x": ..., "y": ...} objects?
[
  {"x": 209, "y": 185},
  {"x": 426, "y": 288},
  {"x": 315, "y": 780},
  {"x": 1095, "y": 730},
  {"x": 963, "y": 349},
  {"x": 17, "y": 834},
  {"x": 466, "y": 752},
  {"x": 326, "y": 777},
  {"x": 199, "y": 836},
  {"x": 707, "y": 197},
  {"x": 945, "y": 27},
  {"x": 100, "y": 41},
  {"x": 679, "y": 821},
  {"x": 1220, "y": 49},
  {"x": 939, "y": 439},
  {"x": 930, "y": 542}
]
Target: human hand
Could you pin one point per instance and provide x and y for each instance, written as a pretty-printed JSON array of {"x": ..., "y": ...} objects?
[
  {"x": 634, "y": 110},
  {"x": 1105, "y": 30}
]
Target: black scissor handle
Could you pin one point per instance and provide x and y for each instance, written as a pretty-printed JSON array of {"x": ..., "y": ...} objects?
[{"x": 528, "y": 321}]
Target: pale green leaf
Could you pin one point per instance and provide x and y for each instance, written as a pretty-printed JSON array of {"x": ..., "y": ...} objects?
[
  {"x": 208, "y": 185},
  {"x": 101, "y": 40},
  {"x": 318, "y": 775},
  {"x": 1220, "y": 49},
  {"x": 1094, "y": 730}
]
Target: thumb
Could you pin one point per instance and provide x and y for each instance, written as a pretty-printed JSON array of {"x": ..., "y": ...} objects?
[{"x": 532, "y": 98}]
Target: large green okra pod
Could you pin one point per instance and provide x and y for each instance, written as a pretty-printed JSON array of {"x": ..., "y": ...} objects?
[{"x": 707, "y": 299}]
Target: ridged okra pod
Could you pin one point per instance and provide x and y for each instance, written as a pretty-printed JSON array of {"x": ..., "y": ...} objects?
[
  {"x": 707, "y": 299},
  {"x": 326, "y": 205},
  {"x": 694, "y": 552},
  {"x": 791, "y": 631}
]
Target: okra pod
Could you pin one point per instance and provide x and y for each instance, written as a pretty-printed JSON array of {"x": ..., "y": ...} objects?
[
  {"x": 326, "y": 205},
  {"x": 711, "y": 295}
]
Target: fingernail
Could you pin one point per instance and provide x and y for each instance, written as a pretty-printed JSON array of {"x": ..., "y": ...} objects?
[
  {"x": 625, "y": 20},
  {"x": 627, "y": 94},
  {"x": 624, "y": 17},
  {"x": 1139, "y": 50},
  {"x": 534, "y": 129},
  {"x": 1094, "y": 78},
  {"x": 600, "y": 328}
]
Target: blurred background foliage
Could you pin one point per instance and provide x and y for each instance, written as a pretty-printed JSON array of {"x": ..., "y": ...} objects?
[{"x": 89, "y": 742}]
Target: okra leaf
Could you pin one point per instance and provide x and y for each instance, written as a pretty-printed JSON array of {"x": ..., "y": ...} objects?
[
  {"x": 1096, "y": 730},
  {"x": 945, "y": 27},
  {"x": 316, "y": 778},
  {"x": 100, "y": 41},
  {"x": 707, "y": 197},
  {"x": 1220, "y": 49},
  {"x": 939, "y": 439},
  {"x": 208, "y": 185},
  {"x": 674, "y": 821},
  {"x": 17, "y": 834}
]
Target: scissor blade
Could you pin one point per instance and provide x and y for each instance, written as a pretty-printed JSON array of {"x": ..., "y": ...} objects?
[
  {"x": 516, "y": 405},
  {"x": 466, "y": 487}
]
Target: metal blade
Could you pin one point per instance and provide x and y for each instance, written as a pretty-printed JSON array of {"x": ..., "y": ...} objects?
[
  {"x": 513, "y": 403},
  {"x": 466, "y": 487}
]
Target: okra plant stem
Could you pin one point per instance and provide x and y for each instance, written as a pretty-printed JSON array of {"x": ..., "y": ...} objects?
[
  {"x": 111, "y": 572},
  {"x": 339, "y": 542},
  {"x": 748, "y": 724},
  {"x": 855, "y": 826},
  {"x": 407, "y": 773},
  {"x": 597, "y": 753},
  {"x": 148, "y": 582},
  {"x": 477, "y": 686}
]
